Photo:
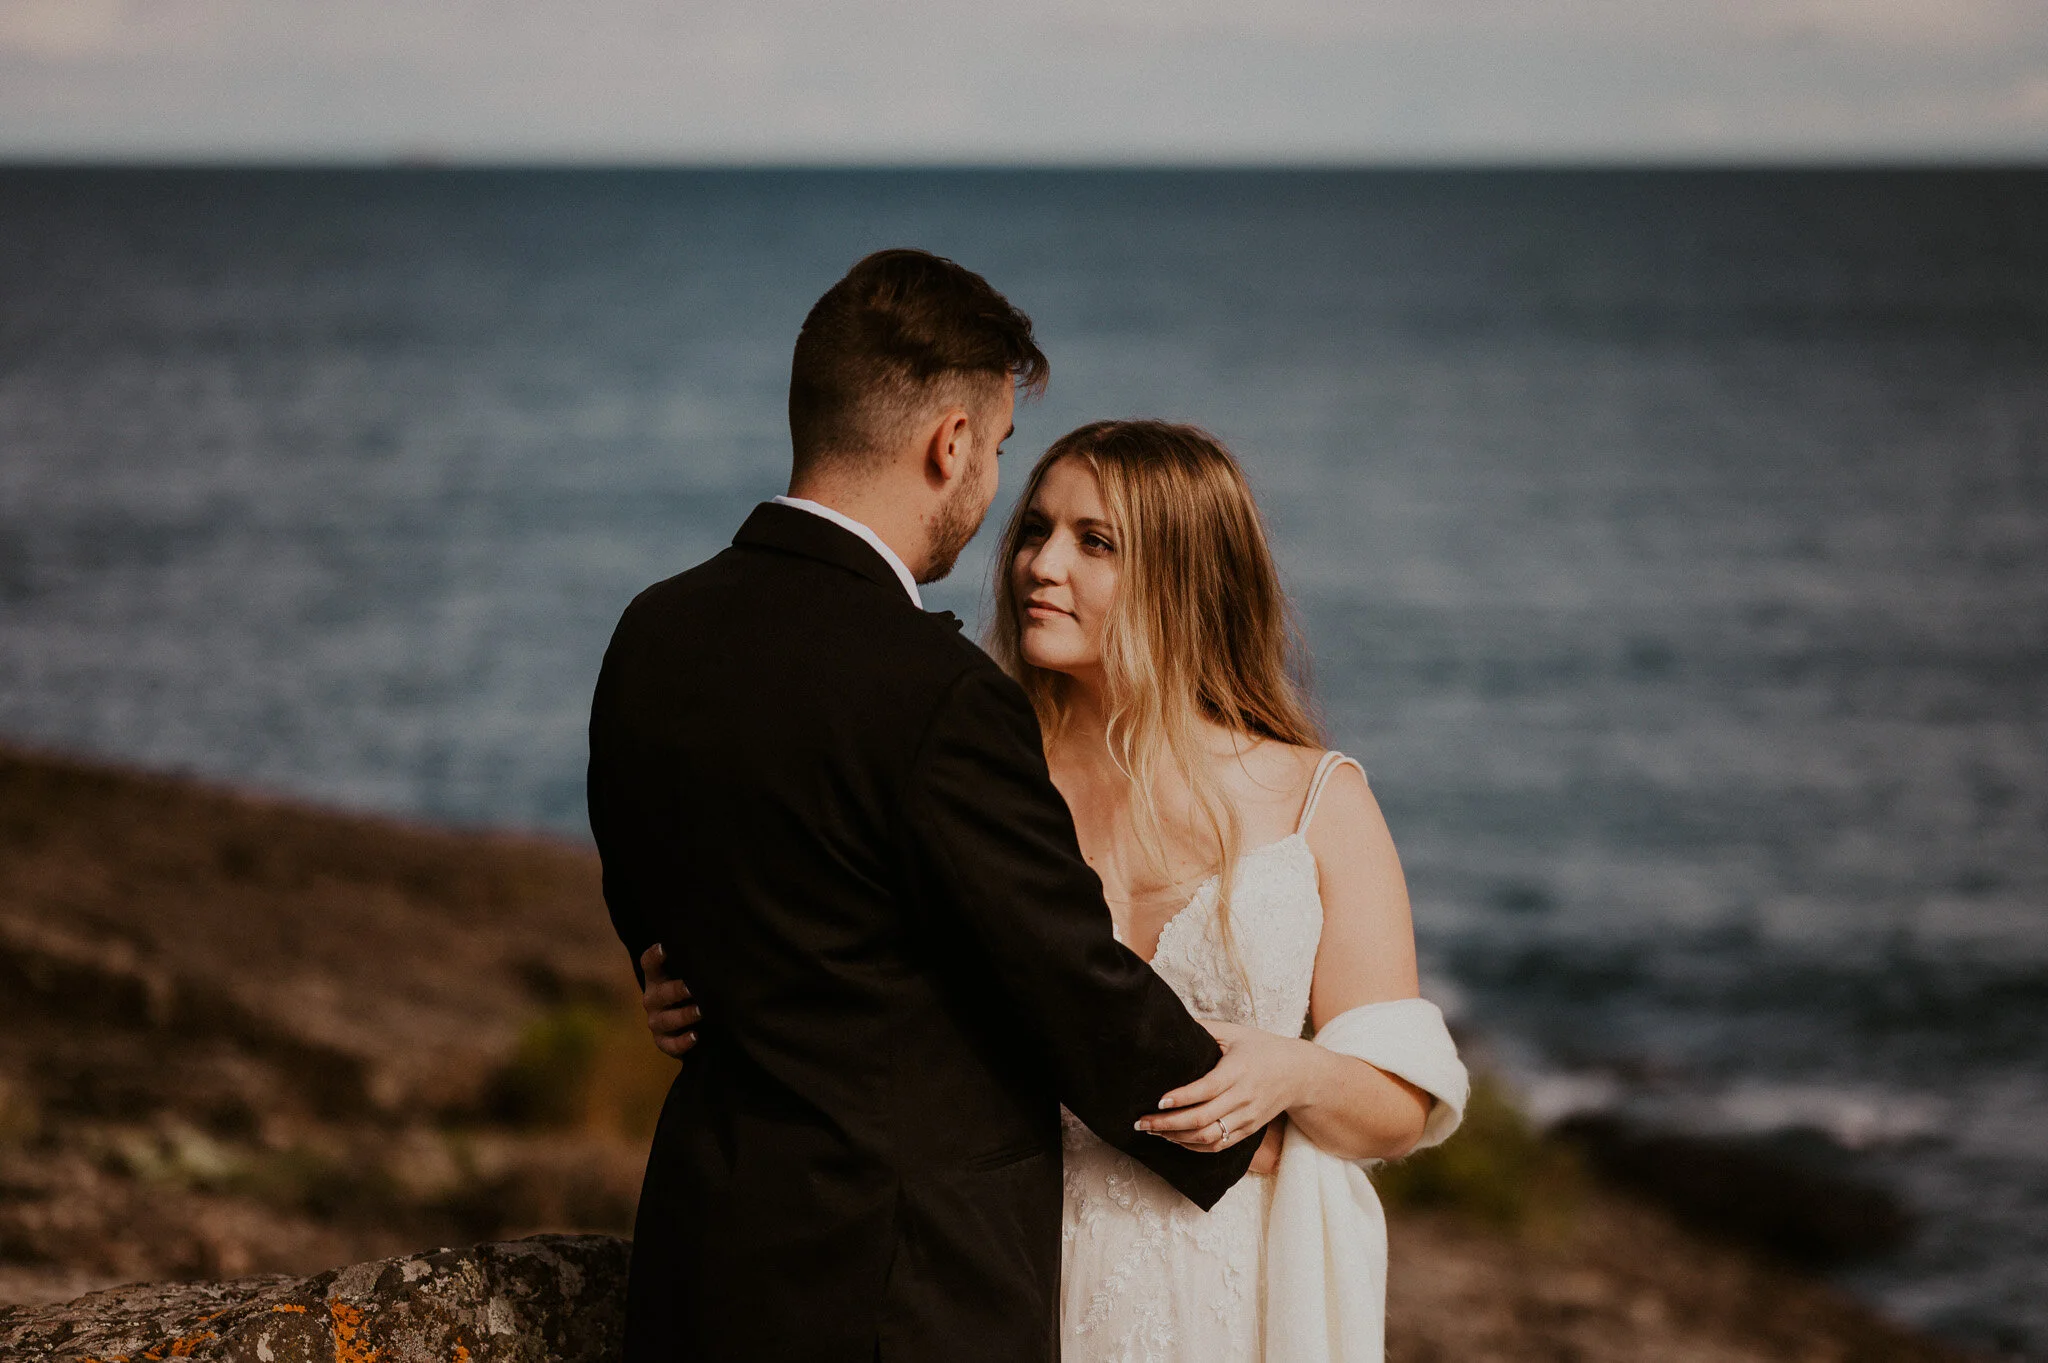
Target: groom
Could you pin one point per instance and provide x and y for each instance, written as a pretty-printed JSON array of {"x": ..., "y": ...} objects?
[{"x": 833, "y": 812}]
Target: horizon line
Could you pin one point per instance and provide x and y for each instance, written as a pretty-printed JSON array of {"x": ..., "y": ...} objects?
[{"x": 430, "y": 161}]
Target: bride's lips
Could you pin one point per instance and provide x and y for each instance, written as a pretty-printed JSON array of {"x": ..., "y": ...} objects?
[{"x": 1043, "y": 610}]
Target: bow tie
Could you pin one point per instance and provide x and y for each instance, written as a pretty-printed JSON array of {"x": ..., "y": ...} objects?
[{"x": 946, "y": 617}]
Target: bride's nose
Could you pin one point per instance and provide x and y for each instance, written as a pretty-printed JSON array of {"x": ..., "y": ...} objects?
[{"x": 1048, "y": 563}]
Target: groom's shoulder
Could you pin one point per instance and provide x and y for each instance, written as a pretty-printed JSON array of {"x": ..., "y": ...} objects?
[
  {"x": 729, "y": 578},
  {"x": 768, "y": 597},
  {"x": 931, "y": 646},
  {"x": 677, "y": 589},
  {"x": 657, "y": 600},
  {"x": 970, "y": 682}
]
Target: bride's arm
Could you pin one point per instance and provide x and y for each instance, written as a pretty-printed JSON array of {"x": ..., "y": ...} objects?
[
  {"x": 1367, "y": 955},
  {"x": 1346, "y": 1106}
]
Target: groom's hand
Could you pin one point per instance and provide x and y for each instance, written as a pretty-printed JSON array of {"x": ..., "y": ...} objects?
[{"x": 670, "y": 1014}]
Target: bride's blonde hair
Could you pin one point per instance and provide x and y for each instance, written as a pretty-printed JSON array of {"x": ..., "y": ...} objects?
[{"x": 1200, "y": 628}]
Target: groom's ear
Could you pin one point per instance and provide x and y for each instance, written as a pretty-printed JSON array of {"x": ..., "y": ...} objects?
[{"x": 949, "y": 447}]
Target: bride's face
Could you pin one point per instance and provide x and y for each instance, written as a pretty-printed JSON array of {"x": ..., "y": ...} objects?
[{"x": 1064, "y": 577}]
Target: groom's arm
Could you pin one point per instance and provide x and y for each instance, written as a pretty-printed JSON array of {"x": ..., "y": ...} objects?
[
  {"x": 615, "y": 797},
  {"x": 994, "y": 844}
]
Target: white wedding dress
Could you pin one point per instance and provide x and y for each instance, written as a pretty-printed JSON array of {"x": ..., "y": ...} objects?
[{"x": 1145, "y": 1275}]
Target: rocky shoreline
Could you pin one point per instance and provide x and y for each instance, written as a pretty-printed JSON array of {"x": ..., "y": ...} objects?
[
  {"x": 243, "y": 1041},
  {"x": 544, "y": 1299},
  {"x": 561, "y": 1298}
]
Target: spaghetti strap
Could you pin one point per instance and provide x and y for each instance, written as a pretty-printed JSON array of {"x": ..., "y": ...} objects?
[{"x": 1324, "y": 769}]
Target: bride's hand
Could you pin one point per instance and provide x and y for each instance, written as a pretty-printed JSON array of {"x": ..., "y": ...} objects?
[
  {"x": 670, "y": 1014},
  {"x": 1254, "y": 1082}
]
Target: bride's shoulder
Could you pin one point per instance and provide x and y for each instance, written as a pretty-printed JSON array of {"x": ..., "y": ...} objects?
[
  {"x": 1296, "y": 761},
  {"x": 1265, "y": 762},
  {"x": 1299, "y": 761},
  {"x": 1345, "y": 815},
  {"x": 1268, "y": 780}
]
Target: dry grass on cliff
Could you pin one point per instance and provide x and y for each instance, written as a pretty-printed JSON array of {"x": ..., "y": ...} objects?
[{"x": 238, "y": 1035}]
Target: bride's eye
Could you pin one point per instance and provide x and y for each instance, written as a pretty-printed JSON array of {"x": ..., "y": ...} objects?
[
  {"x": 1033, "y": 531},
  {"x": 1091, "y": 540}
]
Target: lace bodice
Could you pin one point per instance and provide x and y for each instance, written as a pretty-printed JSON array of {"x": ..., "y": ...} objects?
[
  {"x": 1259, "y": 976},
  {"x": 1147, "y": 1277}
]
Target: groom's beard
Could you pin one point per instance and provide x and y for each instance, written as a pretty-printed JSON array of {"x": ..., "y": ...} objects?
[{"x": 957, "y": 521}]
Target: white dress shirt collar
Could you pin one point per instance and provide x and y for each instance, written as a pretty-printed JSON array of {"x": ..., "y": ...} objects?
[{"x": 845, "y": 522}]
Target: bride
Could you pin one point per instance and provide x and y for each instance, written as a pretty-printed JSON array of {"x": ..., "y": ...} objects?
[{"x": 1138, "y": 606}]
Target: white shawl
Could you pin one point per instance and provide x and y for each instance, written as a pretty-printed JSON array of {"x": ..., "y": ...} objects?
[{"x": 1326, "y": 1239}]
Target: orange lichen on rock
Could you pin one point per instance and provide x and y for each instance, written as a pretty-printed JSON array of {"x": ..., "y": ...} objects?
[
  {"x": 348, "y": 1324},
  {"x": 177, "y": 1348},
  {"x": 289, "y": 1306},
  {"x": 461, "y": 1354}
]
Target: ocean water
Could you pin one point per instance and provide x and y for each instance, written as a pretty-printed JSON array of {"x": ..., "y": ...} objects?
[{"x": 1673, "y": 548}]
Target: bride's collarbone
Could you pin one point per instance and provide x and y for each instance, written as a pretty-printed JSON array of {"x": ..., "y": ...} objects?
[
  {"x": 1144, "y": 917},
  {"x": 1141, "y": 907}
]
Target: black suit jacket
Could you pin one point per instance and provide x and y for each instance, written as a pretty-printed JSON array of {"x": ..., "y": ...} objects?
[{"x": 833, "y": 811}]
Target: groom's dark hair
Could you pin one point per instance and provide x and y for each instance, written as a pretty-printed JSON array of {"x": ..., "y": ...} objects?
[{"x": 904, "y": 330}]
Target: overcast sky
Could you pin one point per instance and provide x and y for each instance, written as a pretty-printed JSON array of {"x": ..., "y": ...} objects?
[{"x": 1055, "y": 80}]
